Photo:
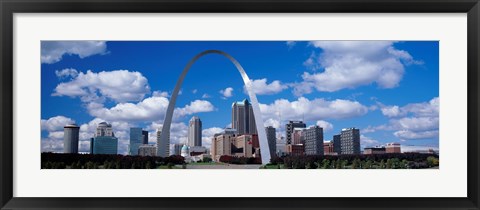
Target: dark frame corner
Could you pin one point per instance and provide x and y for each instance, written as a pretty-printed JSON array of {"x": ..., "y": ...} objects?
[{"x": 9, "y": 7}]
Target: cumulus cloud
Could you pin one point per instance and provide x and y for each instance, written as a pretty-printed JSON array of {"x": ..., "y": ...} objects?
[
  {"x": 368, "y": 141},
  {"x": 412, "y": 121},
  {"x": 312, "y": 110},
  {"x": 65, "y": 73},
  {"x": 206, "y": 96},
  {"x": 150, "y": 109},
  {"x": 118, "y": 85},
  {"x": 227, "y": 93},
  {"x": 55, "y": 123},
  {"x": 325, "y": 125},
  {"x": 53, "y": 51},
  {"x": 408, "y": 134},
  {"x": 350, "y": 64},
  {"x": 260, "y": 87}
]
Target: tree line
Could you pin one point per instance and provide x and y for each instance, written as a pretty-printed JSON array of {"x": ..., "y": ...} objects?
[
  {"x": 98, "y": 161},
  {"x": 377, "y": 161}
]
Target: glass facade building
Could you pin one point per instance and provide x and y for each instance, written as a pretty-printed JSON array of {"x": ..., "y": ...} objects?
[
  {"x": 105, "y": 145},
  {"x": 136, "y": 139}
]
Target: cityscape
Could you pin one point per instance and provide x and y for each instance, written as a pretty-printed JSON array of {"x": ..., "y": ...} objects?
[{"x": 299, "y": 141}]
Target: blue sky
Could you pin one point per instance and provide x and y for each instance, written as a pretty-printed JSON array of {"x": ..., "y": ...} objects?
[{"x": 387, "y": 89}]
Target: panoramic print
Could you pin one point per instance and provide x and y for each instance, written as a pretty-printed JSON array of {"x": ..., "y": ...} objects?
[{"x": 239, "y": 105}]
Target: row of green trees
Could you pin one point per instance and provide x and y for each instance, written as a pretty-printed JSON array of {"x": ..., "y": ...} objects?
[
  {"x": 391, "y": 161},
  {"x": 88, "y": 161},
  {"x": 239, "y": 160}
]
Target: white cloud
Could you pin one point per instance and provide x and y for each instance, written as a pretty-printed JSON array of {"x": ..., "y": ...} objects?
[
  {"x": 312, "y": 110},
  {"x": 368, "y": 141},
  {"x": 424, "y": 109},
  {"x": 55, "y": 123},
  {"x": 272, "y": 122},
  {"x": 325, "y": 125},
  {"x": 349, "y": 64},
  {"x": 118, "y": 85},
  {"x": 391, "y": 111},
  {"x": 160, "y": 94},
  {"x": 206, "y": 96},
  {"x": 52, "y": 51},
  {"x": 227, "y": 93},
  {"x": 260, "y": 87},
  {"x": 194, "y": 91},
  {"x": 150, "y": 109},
  {"x": 412, "y": 121},
  {"x": 65, "y": 73},
  {"x": 407, "y": 134},
  {"x": 196, "y": 106}
]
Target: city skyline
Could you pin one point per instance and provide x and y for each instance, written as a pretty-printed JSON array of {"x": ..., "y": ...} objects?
[{"x": 392, "y": 95}]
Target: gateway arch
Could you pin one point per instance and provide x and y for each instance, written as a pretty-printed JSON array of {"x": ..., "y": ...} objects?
[{"x": 163, "y": 142}]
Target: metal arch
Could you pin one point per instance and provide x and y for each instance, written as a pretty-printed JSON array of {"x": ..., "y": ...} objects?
[{"x": 162, "y": 145}]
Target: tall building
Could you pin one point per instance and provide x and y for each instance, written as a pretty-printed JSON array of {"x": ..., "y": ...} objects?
[
  {"x": 136, "y": 139},
  {"x": 147, "y": 150},
  {"x": 272, "y": 139},
  {"x": 104, "y": 140},
  {"x": 163, "y": 148},
  {"x": 70, "y": 138},
  {"x": 145, "y": 137},
  {"x": 393, "y": 148},
  {"x": 222, "y": 145},
  {"x": 195, "y": 132},
  {"x": 175, "y": 149},
  {"x": 313, "y": 140},
  {"x": 290, "y": 127},
  {"x": 243, "y": 119},
  {"x": 242, "y": 146},
  {"x": 337, "y": 144},
  {"x": 350, "y": 141}
]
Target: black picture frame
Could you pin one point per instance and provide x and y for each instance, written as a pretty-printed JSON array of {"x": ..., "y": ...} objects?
[{"x": 10, "y": 7}]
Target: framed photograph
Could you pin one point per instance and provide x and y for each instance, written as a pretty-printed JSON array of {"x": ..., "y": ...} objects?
[{"x": 239, "y": 105}]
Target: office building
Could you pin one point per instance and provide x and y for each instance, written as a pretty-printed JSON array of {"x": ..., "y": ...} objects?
[
  {"x": 313, "y": 140},
  {"x": 147, "y": 150},
  {"x": 222, "y": 145},
  {"x": 350, "y": 141},
  {"x": 195, "y": 132},
  {"x": 374, "y": 150},
  {"x": 294, "y": 150},
  {"x": 145, "y": 137},
  {"x": 70, "y": 138},
  {"x": 243, "y": 119},
  {"x": 136, "y": 139},
  {"x": 337, "y": 144},
  {"x": 272, "y": 140},
  {"x": 289, "y": 130},
  {"x": 297, "y": 137},
  {"x": 163, "y": 150},
  {"x": 393, "y": 148},
  {"x": 328, "y": 148},
  {"x": 175, "y": 149},
  {"x": 104, "y": 140},
  {"x": 242, "y": 146}
]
